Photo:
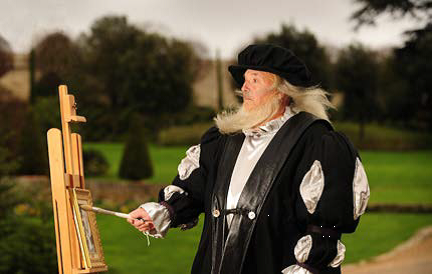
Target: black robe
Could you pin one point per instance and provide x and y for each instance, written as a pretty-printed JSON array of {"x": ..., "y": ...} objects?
[{"x": 271, "y": 215}]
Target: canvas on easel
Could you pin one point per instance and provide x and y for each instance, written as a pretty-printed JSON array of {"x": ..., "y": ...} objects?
[
  {"x": 67, "y": 184},
  {"x": 88, "y": 232}
]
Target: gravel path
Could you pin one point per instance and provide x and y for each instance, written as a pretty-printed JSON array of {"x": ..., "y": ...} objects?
[{"x": 413, "y": 256}]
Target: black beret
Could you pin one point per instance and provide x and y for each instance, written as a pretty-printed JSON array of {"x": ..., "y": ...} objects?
[{"x": 274, "y": 59}]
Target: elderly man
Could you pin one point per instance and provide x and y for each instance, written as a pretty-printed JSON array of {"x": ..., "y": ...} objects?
[{"x": 277, "y": 185}]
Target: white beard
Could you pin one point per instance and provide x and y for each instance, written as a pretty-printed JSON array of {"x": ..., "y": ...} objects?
[{"x": 230, "y": 122}]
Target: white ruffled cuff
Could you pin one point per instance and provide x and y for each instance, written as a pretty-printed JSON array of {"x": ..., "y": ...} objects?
[{"x": 159, "y": 214}]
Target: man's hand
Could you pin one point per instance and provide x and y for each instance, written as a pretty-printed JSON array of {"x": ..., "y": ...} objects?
[{"x": 145, "y": 224}]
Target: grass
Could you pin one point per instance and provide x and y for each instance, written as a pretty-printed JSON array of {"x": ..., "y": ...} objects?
[
  {"x": 399, "y": 177},
  {"x": 126, "y": 249},
  {"x": 165, "y": 161},
  {"x": 394, "y": 177},
  {"x": 378, "y": 233}
]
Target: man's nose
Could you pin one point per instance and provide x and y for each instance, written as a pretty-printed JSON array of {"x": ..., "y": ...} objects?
[{"x": 245, "y": 87}]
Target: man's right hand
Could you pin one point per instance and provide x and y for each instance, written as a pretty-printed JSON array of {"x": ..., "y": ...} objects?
[{"x": 144, "y": 224}]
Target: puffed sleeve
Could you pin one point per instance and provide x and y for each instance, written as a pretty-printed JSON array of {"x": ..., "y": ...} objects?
[
  {"x": 181, "y": 202},
  {"x": 332, "y": 192}
]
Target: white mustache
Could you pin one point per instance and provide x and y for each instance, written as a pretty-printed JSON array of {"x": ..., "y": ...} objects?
[{"x": 240, "y": 119}]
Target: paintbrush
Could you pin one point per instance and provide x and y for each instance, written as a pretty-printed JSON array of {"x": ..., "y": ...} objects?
[{"x": 108, "y": 212}]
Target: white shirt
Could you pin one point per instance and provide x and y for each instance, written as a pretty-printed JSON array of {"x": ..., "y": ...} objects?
[{"x": 254, "y": 144}]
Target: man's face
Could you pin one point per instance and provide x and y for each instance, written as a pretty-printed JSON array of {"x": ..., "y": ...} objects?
[{"x": 256, "y": 88}]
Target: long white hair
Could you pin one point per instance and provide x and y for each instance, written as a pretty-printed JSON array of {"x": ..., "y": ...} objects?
[{"x": 309, "y": 99}]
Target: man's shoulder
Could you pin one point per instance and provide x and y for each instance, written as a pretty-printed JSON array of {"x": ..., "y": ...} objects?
[
  {"x": 322, "y": 134},
  {"x": 212, "y": 134},
  {"x": 316, "y": 131},
  {"x": 311, "y": 123}
]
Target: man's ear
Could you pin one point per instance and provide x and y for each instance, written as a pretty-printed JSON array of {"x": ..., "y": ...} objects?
[{"x": 286, "y": 100}]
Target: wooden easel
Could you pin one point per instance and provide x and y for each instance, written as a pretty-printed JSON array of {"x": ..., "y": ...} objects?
[{"x": 67, "y": 172}]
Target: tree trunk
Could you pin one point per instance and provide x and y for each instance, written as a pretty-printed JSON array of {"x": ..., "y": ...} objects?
[{"x": 219, "y": 81}]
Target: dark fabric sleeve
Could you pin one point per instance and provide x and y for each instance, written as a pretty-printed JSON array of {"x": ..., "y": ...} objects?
[
  {"x": 324, "y": 204},
  {"x": 186, "y": 206}
]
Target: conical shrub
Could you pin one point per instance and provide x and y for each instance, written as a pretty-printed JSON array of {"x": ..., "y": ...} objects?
[
  {"x": 33, "y": 153},
  {"x": 136, "y": 163}
]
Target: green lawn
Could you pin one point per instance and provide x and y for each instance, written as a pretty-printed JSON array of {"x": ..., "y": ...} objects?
[
  {"x": 394, "y": 177},
  {"x": 379, "y": 232},
  {"x": 165, "y": 160},
  {"x": 399, "y": 177},
  {"x": 126, "y": 249}
]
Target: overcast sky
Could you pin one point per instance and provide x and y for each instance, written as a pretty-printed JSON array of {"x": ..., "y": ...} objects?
[{"x": 223, "y": 24}]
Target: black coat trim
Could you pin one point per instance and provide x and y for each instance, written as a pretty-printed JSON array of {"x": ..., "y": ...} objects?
[
  {"x": 225, "y": 170},
  {"x": 226, "y": 255}
]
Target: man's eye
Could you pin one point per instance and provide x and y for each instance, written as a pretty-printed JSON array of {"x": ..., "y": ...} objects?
[{"x": 254, "y": 80}]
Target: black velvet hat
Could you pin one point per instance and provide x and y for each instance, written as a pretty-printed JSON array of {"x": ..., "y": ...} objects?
[{"x": 274, "y": 59}]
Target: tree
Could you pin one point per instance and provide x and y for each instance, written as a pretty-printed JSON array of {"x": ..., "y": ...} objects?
[
  {"x": 219, "y": 81},
  {"x": 136, "y": 163},
  {"x": 410, "y": 62},
  {"x": 305, "y": 45},
  {"x": 46, "y": 86},
  {"x": 47, "y": 113},
  {"x": 110, "y": 38},
  {"x": 56, "y": 53},
  {"x": 413, "y": 64},
  {"x": 356, "y": 73},
  {"x": 6, "y": 57},
  {"x": 135, "y": 71},
  {"x": 13, "y": 120},
  {"x": 160, "y": 76},
  {"x": 393, "y": 97},
  {"x": 33, "y": 158},
  {"x": 32, "y": 72},
  {"x": 369, "y": 10},
  {"x": 58, "y": 59}
]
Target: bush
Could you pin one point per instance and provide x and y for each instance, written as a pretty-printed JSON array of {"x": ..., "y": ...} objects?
[
  {"x": 95, "y": 163},
  {"x": 136, "y": 163},
  {"x": 385, "y": 138},
  {"x": 12, "y": 121},
  {"x": 47, "y": 113},
  {"x": 7, "y": 164},
  {"x": 47, "y": 86},
  {"x": 27, "y": 246},
  {"x": 32, "y": 152},
  {"x": 7, "y": 200},
  {"x": 27, "y": 243},
  {"x": 193, "y": 115}
]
